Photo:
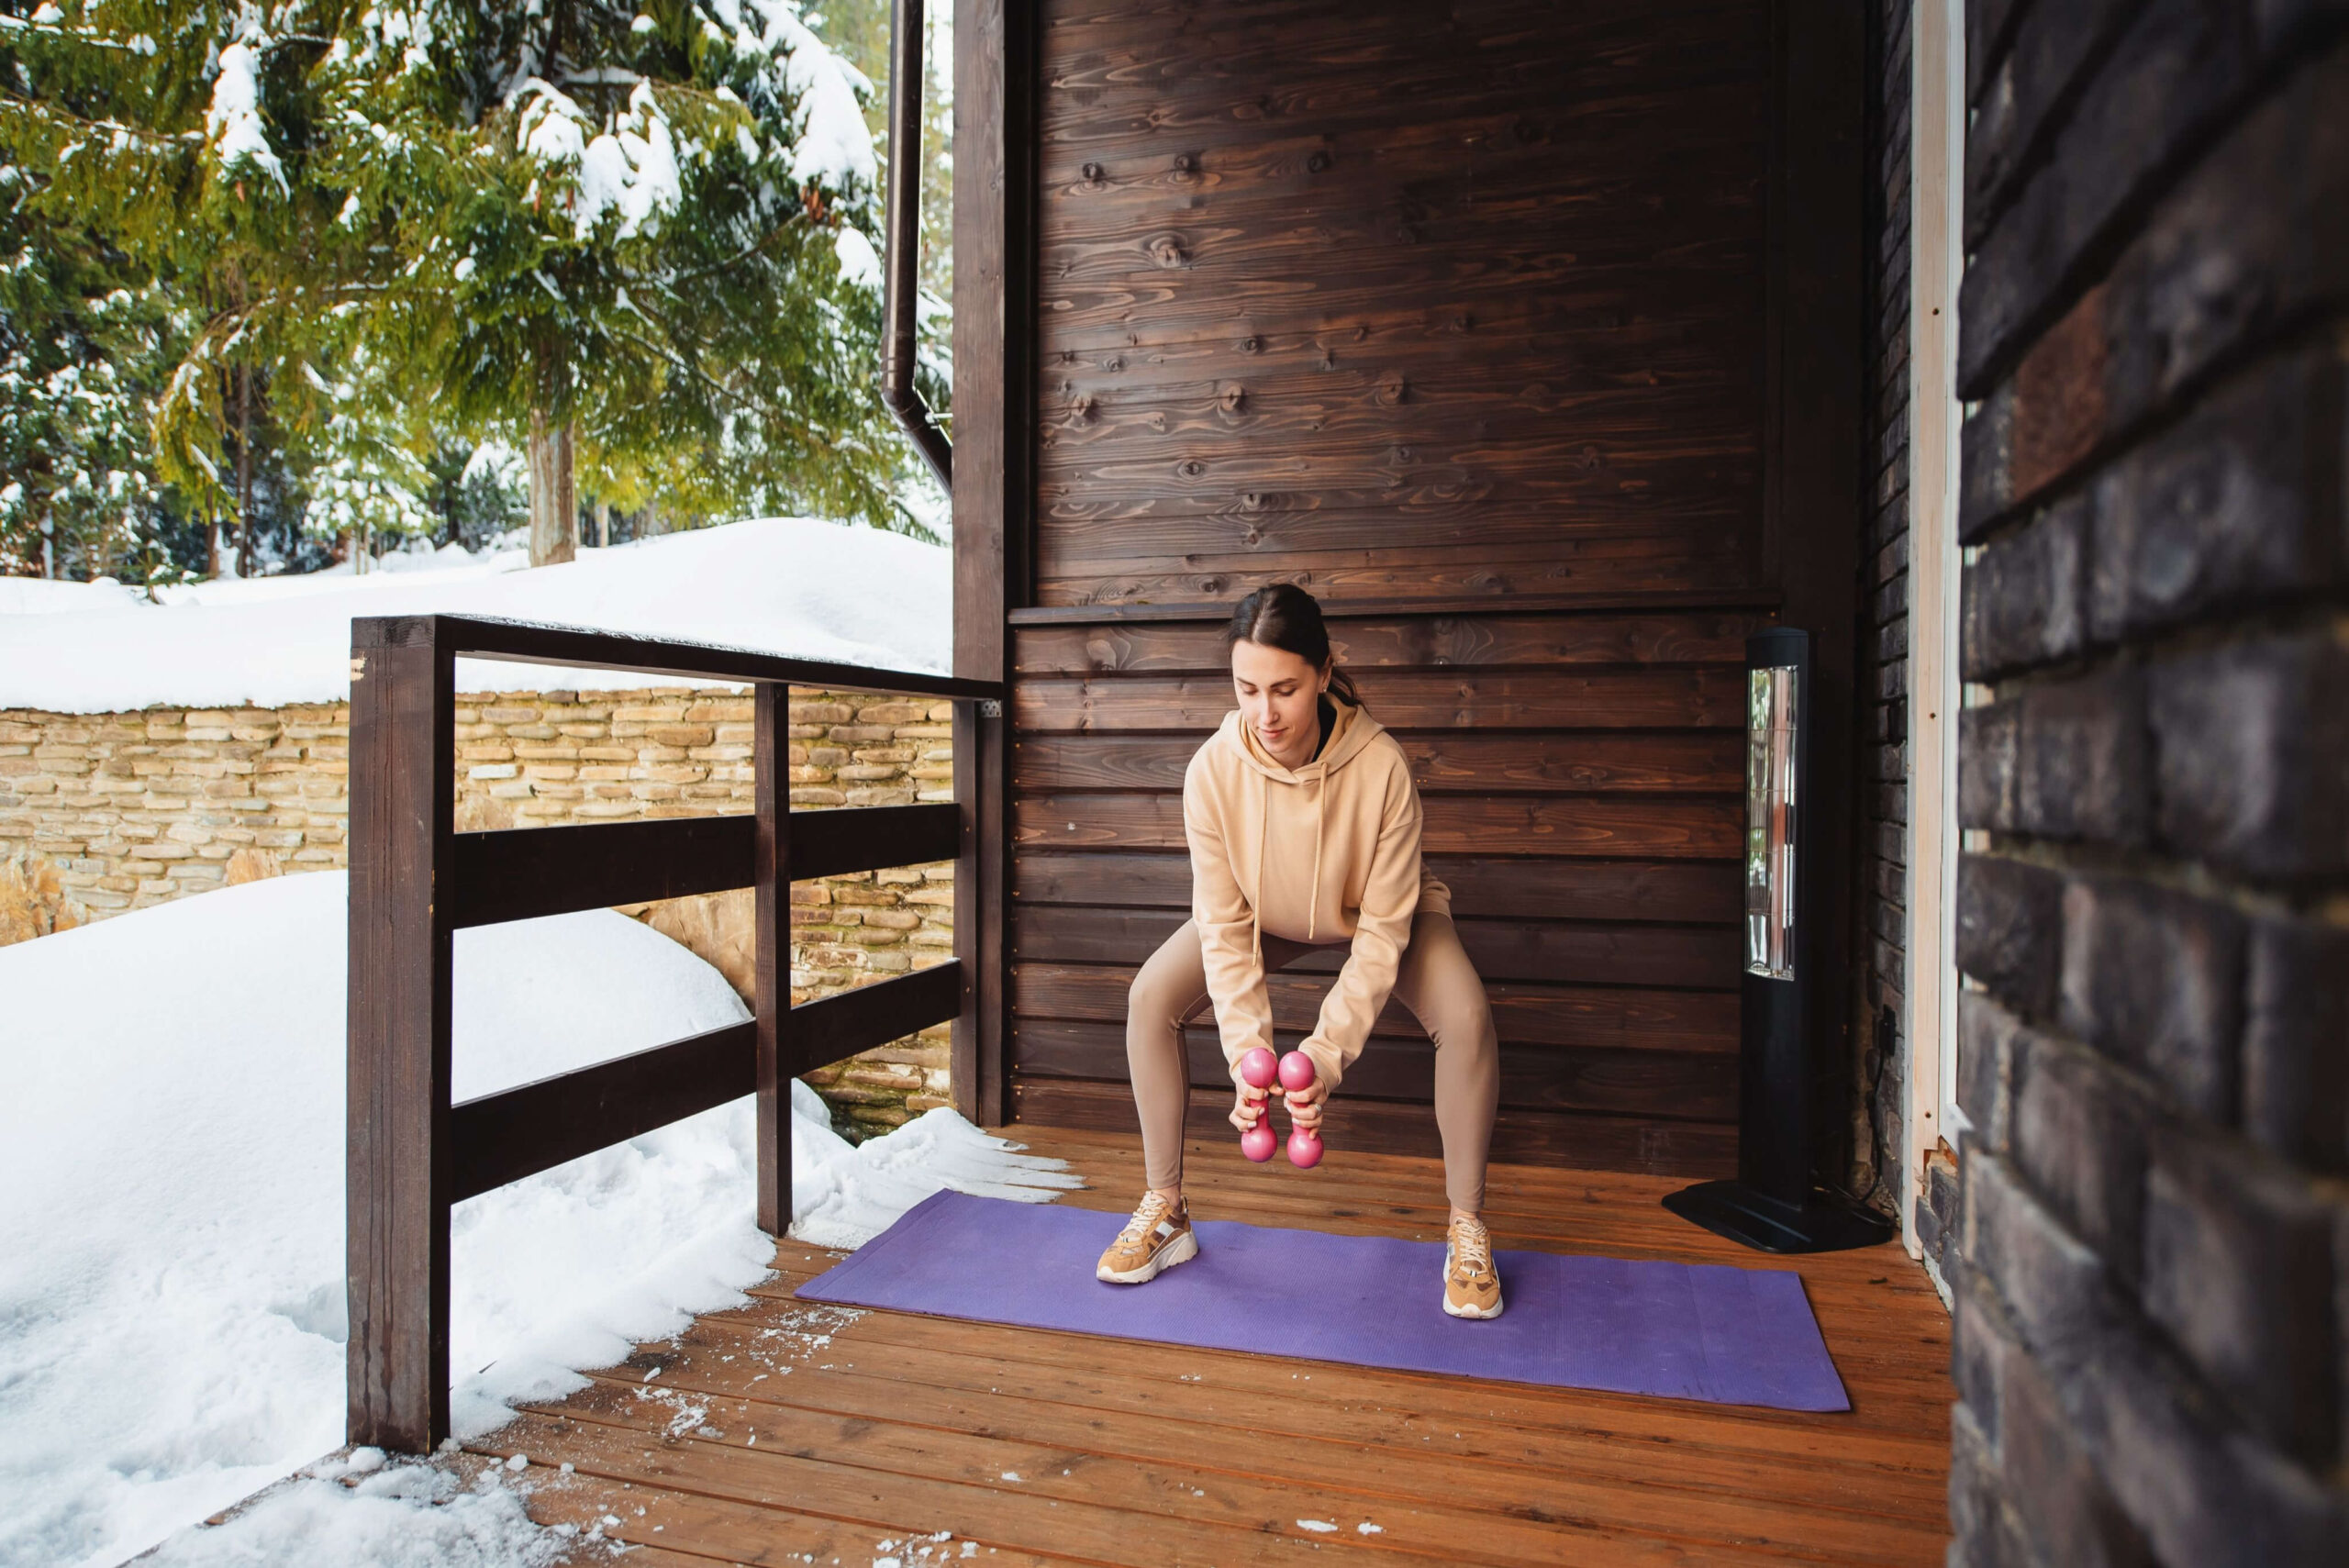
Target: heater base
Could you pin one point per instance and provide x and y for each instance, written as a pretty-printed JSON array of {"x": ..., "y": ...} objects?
[{"x": 1822, "y": 1222}]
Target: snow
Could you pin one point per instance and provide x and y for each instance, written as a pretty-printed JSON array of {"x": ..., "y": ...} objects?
[
  {"x": 172, "y": 1300},
  {"x": 385, "y": 1515},
  {"x": 233, "y": 123},
  {"x": 860, "y": 263},
  {"x": 787, "y": 585},
  {"x": 39, "y": 597}
]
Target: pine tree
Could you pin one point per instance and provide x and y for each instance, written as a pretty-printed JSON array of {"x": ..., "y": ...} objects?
[
  {"x": 632, "y": 231},
  {"x": 82, "y": 341}
]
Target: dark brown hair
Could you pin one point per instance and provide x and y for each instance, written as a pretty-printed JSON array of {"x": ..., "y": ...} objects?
[{"x": 1285, "y": 616}]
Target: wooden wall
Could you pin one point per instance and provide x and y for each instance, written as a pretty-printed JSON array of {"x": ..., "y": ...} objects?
[{"x": 1457, "y": 314}]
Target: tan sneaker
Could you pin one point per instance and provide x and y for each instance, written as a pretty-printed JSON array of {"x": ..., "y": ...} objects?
[
  {"x": 1158, "y": 1237},
  {"x": 1472, "y": 1285}
]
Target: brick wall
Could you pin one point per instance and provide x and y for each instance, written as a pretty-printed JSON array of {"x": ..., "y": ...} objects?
[
  {"x": 2153, "y": 1296},
  {"x": 1879, "y": 971},
  {"x": 104, "y": 813}
]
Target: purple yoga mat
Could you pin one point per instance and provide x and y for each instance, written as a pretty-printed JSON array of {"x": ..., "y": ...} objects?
[{"x": 1683, "y": 1330}]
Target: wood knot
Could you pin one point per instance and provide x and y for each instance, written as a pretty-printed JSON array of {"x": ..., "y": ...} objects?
[
  {"x": 1186, "y": 163},
  {"x": 1251, "y": 501},
  {"x": 1233, "y": 398},
  {"x": 1190, "y": 468},
  {"x": 1093, "y": 173},
  {"x": 1528, "y": 131},
  {"x": 1080, "y": 409},
  {"x": 1319, "y": 161},
  {"x": 1393, "y": 388},
  {"x": 1167, "y": 250},
  {"x": 1251, "y": 345}
]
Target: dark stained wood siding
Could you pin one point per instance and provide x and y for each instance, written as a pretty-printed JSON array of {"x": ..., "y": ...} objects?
[{"x": 1457, "y": 314}]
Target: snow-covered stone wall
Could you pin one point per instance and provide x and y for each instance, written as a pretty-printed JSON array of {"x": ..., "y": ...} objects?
[{"x": 104, "y": 813}]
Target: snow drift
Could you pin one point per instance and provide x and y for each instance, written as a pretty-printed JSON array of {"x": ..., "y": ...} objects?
[{"x": 172, "y": 1299}]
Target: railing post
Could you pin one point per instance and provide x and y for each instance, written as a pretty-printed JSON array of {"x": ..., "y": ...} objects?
[
  {"x": 980, "y": 909},
  {"x": 771, "y": 894},
  {"x": 399, "y": 1173}
]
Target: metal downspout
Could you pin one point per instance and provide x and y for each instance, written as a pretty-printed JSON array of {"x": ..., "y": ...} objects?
[{"x": 903, "y": 238}]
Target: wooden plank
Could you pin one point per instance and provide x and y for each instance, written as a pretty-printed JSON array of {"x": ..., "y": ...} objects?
[
  {"x": 1394, "y": 357},
  {"x": 870, "y": 838},
  {"x": 1615, "y": 1018},
  {"x": 1693, "y": 1086},
  {"x": 1467, "y": 641},
  {"x": 1490, "y": 1426},
  {"x": 519, "y": 1132},
  {"x": 1697, "y": 1151},
  {"x": 1628, "y": 522},
  {"x": 994, "y": 330},
  {"x": 1442, "y": 762},
  {"x": 398, "y": 1180},
  {"x": 1642, "y": 827},
  {"x": 1691, "y": 697},
  {"x": 996, "y": 866},
  {"x": 1700, "y": 957},
  {"x": 778, "y": 1046},
  {"x": 521, "y": 874},
  {"x": 825, "y": 1030},
  {"x": 1533, "y": 889},
  {"x": 974, "y": 917}
]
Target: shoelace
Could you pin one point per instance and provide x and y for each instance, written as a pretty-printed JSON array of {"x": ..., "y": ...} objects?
[
  {"x": 1153, "y": 1209},
  {"x": 1472, "y": 1248}
]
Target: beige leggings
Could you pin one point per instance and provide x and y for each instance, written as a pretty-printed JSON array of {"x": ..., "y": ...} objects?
[{"x": 1435, "y": 980}]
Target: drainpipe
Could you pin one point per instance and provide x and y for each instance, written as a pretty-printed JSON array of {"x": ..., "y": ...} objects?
[{"x": 903, "y": 240}]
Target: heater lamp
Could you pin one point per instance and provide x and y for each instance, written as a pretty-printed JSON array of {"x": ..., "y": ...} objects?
[{"x": 1772, "y": 1205}]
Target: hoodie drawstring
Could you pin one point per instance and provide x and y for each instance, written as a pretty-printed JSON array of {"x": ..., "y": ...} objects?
[
  {"x": 1257, "y": 904},
  {"x": 1320, "y": 822}
]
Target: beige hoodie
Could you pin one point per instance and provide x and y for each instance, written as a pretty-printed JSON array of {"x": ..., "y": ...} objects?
[{"x": 1325, "y": 853}]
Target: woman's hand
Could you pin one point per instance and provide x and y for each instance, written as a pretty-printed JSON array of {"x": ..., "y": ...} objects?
[
  {"x": 1252, "y": 1104},
  {"x": 1304, "y": 1105}
]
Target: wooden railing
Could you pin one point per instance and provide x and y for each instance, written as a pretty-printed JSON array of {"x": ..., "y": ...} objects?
[{"x": 415, "y": 881}]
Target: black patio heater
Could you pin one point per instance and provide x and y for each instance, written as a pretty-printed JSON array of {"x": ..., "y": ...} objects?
[{"x": 1772, "y": 1204}]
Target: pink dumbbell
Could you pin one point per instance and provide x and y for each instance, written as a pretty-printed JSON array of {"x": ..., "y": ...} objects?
[
  {"x": 1304, "y": 1144},
  {"x": 1258, "y": 1072}
]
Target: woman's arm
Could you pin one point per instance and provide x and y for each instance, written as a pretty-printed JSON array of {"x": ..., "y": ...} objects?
[
  {"x": 1382, "y": 930},
  {"x": 1244, "y": 1010}
]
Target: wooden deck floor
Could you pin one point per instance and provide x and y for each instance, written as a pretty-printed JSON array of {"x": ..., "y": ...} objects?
[{"x": 787, "y": 1432}]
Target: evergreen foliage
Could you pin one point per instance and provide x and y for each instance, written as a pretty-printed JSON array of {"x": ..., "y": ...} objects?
[{"x": 352, "y": 243}]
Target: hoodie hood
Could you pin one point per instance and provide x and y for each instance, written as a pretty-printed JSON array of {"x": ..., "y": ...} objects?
[{"x": 1351, "y": 732}]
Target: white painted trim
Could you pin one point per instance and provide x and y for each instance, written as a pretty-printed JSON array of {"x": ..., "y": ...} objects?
[{"x": 1936, "y": 189}]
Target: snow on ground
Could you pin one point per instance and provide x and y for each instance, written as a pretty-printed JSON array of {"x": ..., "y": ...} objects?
[
  {"x": 790, "y": 585},
  {"x": 39, "y": 597},
  {"x": 171, "y": 1301}
]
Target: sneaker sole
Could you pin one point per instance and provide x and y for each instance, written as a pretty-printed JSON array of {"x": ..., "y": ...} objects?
[
  {"x": 1181, "y": 1250},
  {"x": 1473, "y": 1311}
]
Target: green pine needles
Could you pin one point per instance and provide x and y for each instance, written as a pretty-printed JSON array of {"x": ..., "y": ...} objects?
[{"x": 633, "y": 239}]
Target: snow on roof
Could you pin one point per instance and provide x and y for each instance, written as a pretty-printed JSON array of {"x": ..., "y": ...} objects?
[{"x": 789, "y": 585}]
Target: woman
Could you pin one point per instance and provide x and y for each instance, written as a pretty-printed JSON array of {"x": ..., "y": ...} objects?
[{"x": 1304, "y": 829}]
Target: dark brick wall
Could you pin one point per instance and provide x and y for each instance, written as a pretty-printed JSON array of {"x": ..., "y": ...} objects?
[
  {"x": 2151, "y": 1257},
  {"x": 1879, "y": 972}
]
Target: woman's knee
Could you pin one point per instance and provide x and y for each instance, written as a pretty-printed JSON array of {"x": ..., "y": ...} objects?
[{"x": 1168, "y": 985}]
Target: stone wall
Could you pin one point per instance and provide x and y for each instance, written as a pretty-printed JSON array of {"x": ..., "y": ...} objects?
[
  {"x": 104, "y": 813},
  {"x": 2153, "y": 1265}
]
